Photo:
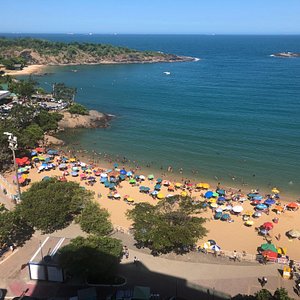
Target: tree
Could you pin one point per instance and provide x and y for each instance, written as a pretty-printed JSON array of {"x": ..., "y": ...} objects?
[
  {"x": 31, "y": 135},
  {"x": 281, "y": 294},
  {"x": 171, "y": 225},
  {"x": 22, "y": 116},
  {"x": 78, "y": 109},
  {"x": 48, "y": 121},
  {"x": 24, "y": 88},
  {"x": 93, "y": 258},
  {"x": 13, "y": 229},
  {"x": 51, "y": 205},
  {"x": 263, "y": 294},
  {"x": 94, "y": 219}
]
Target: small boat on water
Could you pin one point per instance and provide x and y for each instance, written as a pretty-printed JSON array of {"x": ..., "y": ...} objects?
[{"x": 167, "y": 73}]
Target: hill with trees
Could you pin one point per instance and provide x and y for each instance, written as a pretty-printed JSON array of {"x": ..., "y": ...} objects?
[{"x": 29, "y": 51}]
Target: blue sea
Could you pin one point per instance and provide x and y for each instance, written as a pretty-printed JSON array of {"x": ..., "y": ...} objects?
[{"x": 231, "y": 117}]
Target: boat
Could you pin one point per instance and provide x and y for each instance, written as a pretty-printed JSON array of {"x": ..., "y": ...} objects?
[{"x": 167, "y": 73}]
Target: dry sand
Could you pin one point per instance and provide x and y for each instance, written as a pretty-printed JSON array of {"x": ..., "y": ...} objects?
[
  {"x": 229, "y": 236},
  {"x": 32, "y": 69}
]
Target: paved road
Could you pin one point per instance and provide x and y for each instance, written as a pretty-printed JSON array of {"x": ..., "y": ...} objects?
[{"x": 165, "y": 276}]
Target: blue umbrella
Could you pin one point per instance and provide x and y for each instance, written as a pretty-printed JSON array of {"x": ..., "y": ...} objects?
[
  {"x": 154, "y": 193},
  {"x": 52, "y": 152},
  {"x": 146, "y": 189},
  {"x": 33, "y": 153},
  {"x": 62, "y": 166},
  {"x": 45, "y": 165},
  {"x": 106, "y": 184},
  {"x": 64, "y": 159},
  {"x": 103, "y": 180},
  {"x": 261, "y": 206},
  {"x": 123, "y": 172},
  {"x": 74, "y": 174},
  {"x": 129, "y": 173},
  {"x": 157, "y": 187},
  {"x": 115, "y": 165},
  {"x": 263, "y": 231},
  {"x": 159, "y": 180},
  {"x": 251, "y": 195},
  {"x": 111, "y": 186},
  {"x": 221, "y": 198},
  {"x": 122, "y": 177},
  {"x": 208, "y": 194},
  {"x": 225, "y": 217},
  {"x": 221, "y": 192},
  {"x": 257, "y": 197},
  {"x": 270, "y": 201},
  {"x": 218, "y": 215},
  {"x": 142, "y": 188},
  {"x": 47, "y": 159}
]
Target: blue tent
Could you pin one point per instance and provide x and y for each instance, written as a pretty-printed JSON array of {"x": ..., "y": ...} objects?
[
  {"x": 74, "y": 174},
  {"x": 106, "y": 184},
  {"x": 129, "y": 173},
  {"x": 251, "y": 195},
  {"x": 208, "y": 194}
]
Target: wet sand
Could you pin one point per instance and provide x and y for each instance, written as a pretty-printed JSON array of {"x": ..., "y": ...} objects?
[{"x": 32, "y": 69}]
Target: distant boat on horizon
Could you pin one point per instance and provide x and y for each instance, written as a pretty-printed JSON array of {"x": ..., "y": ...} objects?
[{"x": 167, "y": 73}]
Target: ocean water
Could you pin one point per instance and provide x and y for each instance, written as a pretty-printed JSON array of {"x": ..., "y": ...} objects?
[{"x": 232, "y": 117}]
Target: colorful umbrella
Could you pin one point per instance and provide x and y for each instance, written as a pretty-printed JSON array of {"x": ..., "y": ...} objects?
[
  {"x": 268, "y": 246},
  {"x": 294, "y": 233},
  {"x": 268, "y": 225}
]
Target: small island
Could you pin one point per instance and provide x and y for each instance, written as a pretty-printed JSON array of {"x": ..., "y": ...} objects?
[
  {"x": 19, "y": 53},
  {"x": 286, "y": 54}
]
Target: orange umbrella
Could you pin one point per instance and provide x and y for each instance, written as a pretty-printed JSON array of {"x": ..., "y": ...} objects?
[
  {"x": 278, "y": 208},
  {"x": 293, "y": 205}
]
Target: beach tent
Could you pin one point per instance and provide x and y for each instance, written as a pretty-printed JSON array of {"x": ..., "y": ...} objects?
[{"x": 268, "y": 246}]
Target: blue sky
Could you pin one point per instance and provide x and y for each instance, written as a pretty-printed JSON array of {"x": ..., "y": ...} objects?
[{"x": 152, "y": 16}]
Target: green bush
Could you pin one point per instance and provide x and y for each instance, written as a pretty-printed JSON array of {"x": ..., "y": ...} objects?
[{"x": 78, "y": 109}]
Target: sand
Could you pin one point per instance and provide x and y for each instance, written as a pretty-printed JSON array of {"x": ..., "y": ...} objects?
[
  {"x": 229, "y": 236},
  {"x": 32, "y": 69}
]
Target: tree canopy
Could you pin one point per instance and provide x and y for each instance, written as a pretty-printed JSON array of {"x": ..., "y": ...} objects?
[
  {"x": 94, "y": 219},
  {"x": 51, "y": 205},
  {"x": 77, "y": 108},
  {"x": 94, "y": 258},
  {"x": 171, "y": 225}
]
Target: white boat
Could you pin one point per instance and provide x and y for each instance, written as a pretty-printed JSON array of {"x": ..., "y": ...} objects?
[{"x": 167, "y": 73}]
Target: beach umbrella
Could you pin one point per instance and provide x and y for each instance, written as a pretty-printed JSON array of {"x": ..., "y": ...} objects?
[
  {"x": 89, "y": 171},
  {"x": 249, "y": 223},
  {"x": 293, "y": 205},
  {"x": 178, "y": 184},
  {"x": 154, "y": 193},
  {"x": 103, "y": 175},
  {"x": 166, "y": 182},
  {"x": 268, "y": 246},
  {"x": 33, "y": 153},
  {"x": 159, "y": 180},
  {"x": 206, "y": 245},
  {"x": 64, "y": 159},
  {"x": 65, "y": 173},
  {"x": 219, "y": 209},
  {"x": 106, "y": 184},
  {"x": 82, "y": 175},
  {"x": 213, "y": 205},
  {"x": 278, "y": 208},
  {"x": 132, "y": 181},
  {"x": 97, "y": 173},
  {"x": 269, "y": 201},
  {"x": 157, "y": 187},
  {"x": 146, "y": 189},
  {"x": 40, "y": 150},
  {"x": 117, "y": 196},
  {"x": 221, "y": 192},
  {"x": 129, "y": 173},
  {"x": 218, "y": 215},
  {"x": 225, "y": 217},
  {"x": 237, "y": 209},
  {"x": 21, "y": 180},
  {"x": 255, "y": 202},
  {"x": 257, "y": 214},
  {"x": 251, "y": 195},
  {"x": 169, "y": 195},
  {"x": 263, "y": 231},
  {"x": 208, "y": 194},
  {"x": 91, "y": 178},
  {"x": 221, "y": 199},
  {"x": 261, "y": 206},
  {"x": 82, "y": 164},
  {"x": 115, "y": 165},
  {"x": 268, "y": 225},
  {"x": 212, "y": 200},
  {"x": 52, "y": 152},
  {"x": 22, "y": 170},
  {"x": 72, "y": 159},
  {"x": 215, "y": 248},
  {"x": 294, "y": 233},
  {"x": 62, "y": 166},
  {"x": 122, "y": 177},
  {"x": 183, "y": 194},
  {"x": 150, "y": 177},
  {"x": 142, "y": 188},
  {"x": 160, "y": 196},
  {"x": 204, "y": 205},
  {"x": 257, "y": 197},
  {"x": 123, "y": 172},
  {"x": 281, "y": 250},
  {"x": 142, "y": 177},
  {"x": 75, "y": 169},
  {"x": 103, "y": 180},
  {"x": 275, "y": 191},
  {"x": 35, "y": 159},
  {"x": 171, "y": 188},
  {"x": 205, "y": 186},
  {"x": 215, "y": 194},
  {"x": 130, "y": 200},
  {"x": 74, "y": 174},
  {"x": 111, "y": 186}
]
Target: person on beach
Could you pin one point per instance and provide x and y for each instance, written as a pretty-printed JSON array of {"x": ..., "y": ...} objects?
[{"x": 264, "y": 281}]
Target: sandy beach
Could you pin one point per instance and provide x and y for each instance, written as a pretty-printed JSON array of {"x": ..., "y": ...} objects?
[
  {"x": 229, "y": 236},
  {"x": 32, "y": 69}
]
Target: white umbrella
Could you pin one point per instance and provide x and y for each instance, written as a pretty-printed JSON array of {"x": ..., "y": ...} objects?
[
  {"x": 169, "y": 195},
  {"x": 237, "y": 209},
  {"x": 104, "y": 175},
  {"x": 215, "y": 248},
  {"x": 142, "y": 177},
  {"x": 117, "y": 196}
]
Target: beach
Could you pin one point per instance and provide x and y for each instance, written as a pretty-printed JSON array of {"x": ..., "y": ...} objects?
[
  {"x": 32, "y": 69},
  {"x": 229, "y": 236}
]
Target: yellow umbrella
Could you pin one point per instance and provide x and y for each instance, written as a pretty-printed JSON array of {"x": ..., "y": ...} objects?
[
  {"x": 275, "y": 190},
  {"x": 248, "y": 213},
  {"x": 72, "y": 159},
  {"x": 214, "y": 205},
  {"x": 205, "y": 185},
  {"x": 212, "y": 200},
  {"x": 88, "y": 171},
  {"x": 178, "y": 184},
  {"x": 199, "y": 185},
  {"x": 249, "y": 223},
  {"x": 205, "y": 245},
  {"x": 34, "y": 157},
  {"x": 160, "y": 196},
  {"x": 183, "y": 194},
  {"x": 281, "y": 250},
  {"x": 41, "y": 157},
  {"x": 130, "y": 200},
  {"x": 24, "y": 176}
]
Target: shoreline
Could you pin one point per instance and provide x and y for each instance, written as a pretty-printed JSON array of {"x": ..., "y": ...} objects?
[{"x": 28, "y": 70}]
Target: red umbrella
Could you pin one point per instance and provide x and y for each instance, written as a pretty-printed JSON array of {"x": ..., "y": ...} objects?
[
  {"x": 270, "y": 254},
  {"x": 293, "y": 205},
  {"x": 268, "y": 225}
]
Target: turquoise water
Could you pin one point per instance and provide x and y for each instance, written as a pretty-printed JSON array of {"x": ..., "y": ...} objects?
[{"x": 233, "y": 116}]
